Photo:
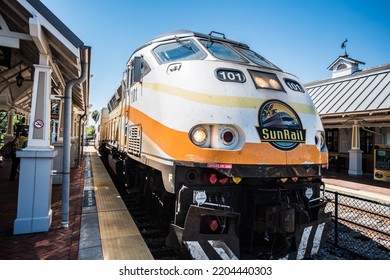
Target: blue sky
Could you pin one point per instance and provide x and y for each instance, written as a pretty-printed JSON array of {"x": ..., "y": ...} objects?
[{"x": 302, "y": 37}]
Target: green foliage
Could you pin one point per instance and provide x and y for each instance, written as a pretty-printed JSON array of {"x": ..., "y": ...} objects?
[
  {"x": 3, "y": 124},
  {"x": 90, "y": 131},
  {"x": 17, "y": 121}
]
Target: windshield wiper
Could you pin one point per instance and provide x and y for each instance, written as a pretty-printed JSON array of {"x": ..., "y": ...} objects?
[{"x": 186, "y": 45}]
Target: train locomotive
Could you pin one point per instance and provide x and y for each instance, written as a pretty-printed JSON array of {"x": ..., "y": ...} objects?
[{"x": 227, "y": 147}]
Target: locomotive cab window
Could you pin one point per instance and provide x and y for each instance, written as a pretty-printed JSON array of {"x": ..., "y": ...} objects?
[
  {"x": 180, "y": 50},
  {"x": 256, "y": 58},
  {"x": 221, "y": 51}
]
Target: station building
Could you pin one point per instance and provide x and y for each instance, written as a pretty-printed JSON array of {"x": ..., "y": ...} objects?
[
  {"x": 354, "y": 105},
  {"x": 44, "y": 83}
]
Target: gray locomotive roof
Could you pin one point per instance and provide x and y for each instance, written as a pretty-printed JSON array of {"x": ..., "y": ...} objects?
[
  {"x": 189, "y": 33},
  {"x": 366, "y": 90},
  {"x": 186, "y": 33}
]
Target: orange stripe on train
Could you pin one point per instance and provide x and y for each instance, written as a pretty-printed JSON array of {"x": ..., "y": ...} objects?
[{"x": 177, "y": 145}]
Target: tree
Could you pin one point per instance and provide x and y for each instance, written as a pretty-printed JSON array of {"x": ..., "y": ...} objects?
[
  {"x": 3, "y": 124},
  {"x": 95, "y": 115},
  {"x": 90, "y": 131}
]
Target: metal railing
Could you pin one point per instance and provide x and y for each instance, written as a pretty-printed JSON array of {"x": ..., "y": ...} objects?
[{"x": 360, "y": 226}]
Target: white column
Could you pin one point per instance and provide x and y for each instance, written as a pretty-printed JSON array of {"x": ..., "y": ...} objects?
[
  {"x": 35, "y": 181},
  {"x": 355, "y": 154},
  {"x": 10, "y": 127},
  {"x": 39, "y": 130}
]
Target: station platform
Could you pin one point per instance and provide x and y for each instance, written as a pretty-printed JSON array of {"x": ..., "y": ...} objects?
[
  {"x": 361, "y": 186},
  {"x": 100, "y": 227}
]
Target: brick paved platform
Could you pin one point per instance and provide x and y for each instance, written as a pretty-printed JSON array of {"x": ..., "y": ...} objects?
[{"x": 58, "y": 243}]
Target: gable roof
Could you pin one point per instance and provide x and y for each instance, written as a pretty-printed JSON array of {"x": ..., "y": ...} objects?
[
  {"x": 345, "y": 58},
  {"x": 362, "y": 91}
]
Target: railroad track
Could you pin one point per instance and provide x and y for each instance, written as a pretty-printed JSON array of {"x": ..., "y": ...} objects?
[
  {"x": 372, "y": 224},
  {"x": 150, "y": 228},
  {"x": 361, "y": 226}
]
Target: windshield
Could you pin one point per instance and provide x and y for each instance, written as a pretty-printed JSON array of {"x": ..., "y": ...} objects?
[
  {"x": 183, "y": 50},
  {"x": 256, "y": 58},
  {"x": 221, "y": 51}
]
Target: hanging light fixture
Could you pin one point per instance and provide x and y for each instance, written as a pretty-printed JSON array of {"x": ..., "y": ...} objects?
[{"x": 19, "y": 77}]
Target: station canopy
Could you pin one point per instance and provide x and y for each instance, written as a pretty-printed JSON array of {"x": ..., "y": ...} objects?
[{"x": 27, "y": 30}]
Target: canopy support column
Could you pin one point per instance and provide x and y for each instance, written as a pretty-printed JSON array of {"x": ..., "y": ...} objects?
[
  {"x": 355, "y": 154},
  {"x": 34, "y": 212}
]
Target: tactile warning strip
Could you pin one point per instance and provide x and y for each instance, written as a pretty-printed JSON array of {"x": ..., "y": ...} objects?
[{"x": 120, "y": 237}]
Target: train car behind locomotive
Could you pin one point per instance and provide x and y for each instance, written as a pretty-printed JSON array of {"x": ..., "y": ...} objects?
[{"x": 227, "y": 146}]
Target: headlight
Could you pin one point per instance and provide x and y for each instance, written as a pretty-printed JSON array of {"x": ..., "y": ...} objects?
[
  {"x": 229, "y": 136},
  {"x": 199, "y": 135},
  {"x": 216, "y": 136},
  {"x": 266, "y": 80},
  {"x": 319, "y": 139}
]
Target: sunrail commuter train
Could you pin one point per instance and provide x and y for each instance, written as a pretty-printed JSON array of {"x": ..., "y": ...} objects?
[{"x": 227, "y": 145}]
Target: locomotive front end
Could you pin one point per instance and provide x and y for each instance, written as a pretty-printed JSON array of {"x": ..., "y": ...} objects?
[{"x": 239, "y": 145}]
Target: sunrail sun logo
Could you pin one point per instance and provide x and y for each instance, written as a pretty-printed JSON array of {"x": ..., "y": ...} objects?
[{"x": 280, "y": 125}]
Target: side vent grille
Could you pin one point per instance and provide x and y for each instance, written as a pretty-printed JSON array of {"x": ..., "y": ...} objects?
[{"x": 134, "y": 141}]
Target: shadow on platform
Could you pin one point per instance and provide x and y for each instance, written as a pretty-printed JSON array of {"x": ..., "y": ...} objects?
[{"x": 58, "y": 243}]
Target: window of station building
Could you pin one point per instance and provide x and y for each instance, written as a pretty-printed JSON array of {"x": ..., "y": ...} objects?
[
  {"x": 366, "y": 141},
  {"x": 332, "y": 139},
  {"x": 342, "y": 66}
]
